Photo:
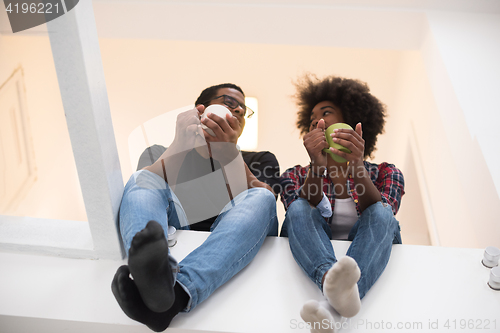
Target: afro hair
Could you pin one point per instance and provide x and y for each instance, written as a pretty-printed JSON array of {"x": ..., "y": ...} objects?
[{"x": 352, "y": 97}]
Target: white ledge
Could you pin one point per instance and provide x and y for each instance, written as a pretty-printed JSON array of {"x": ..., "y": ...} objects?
[
  {"x": 421, "y": 284},
  {"x": 45, "y": 236}
]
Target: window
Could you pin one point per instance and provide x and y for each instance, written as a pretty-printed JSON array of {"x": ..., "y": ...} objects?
[
  {"x": 17, "y": 159},
  {"x": 84, "y": 114}
]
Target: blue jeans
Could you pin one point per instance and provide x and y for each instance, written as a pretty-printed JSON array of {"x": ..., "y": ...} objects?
[
  {"x": 236, "y": 237},
  {"x": 372, "y": 237}
]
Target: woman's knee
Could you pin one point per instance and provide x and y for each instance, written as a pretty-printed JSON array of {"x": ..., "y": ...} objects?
[
  {"x": 379, "y": 211},
  {"x": 381, "y": 215},
  {"x": 293, "y": 213},
  {"x": 299, "y": 207},
  {"x": 273, "y": 227},
  {"x": 301, "y": 212}
]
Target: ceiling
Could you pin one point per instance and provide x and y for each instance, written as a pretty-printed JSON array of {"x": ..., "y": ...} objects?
[{"x": 387, "y": 24}]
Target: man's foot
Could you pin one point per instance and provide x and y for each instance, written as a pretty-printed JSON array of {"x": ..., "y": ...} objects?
[
  {"x": 150, "y": 267},
  {"x": 129, "y": 299},
  {"x": 318, "y": 317},
  {"x": 340, "y": 287}
]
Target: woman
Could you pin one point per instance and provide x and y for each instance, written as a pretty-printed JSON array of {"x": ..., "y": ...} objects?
[{"x": 355, "y": 200}]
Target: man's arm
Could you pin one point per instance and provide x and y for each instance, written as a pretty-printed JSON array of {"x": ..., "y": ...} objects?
[
  {"x": 168, "y": 166},
  {"x": 188, "y": 136},
  {"x": 253, "y": 182},
  {"x": 265, "y": 170}
]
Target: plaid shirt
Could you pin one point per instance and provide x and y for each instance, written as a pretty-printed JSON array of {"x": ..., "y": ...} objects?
[{"x": 386, "y": 177}]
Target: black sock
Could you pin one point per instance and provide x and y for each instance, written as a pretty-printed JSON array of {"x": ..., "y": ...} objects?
[
  {"x": 129, "y": 299},
  {"x": 149, "y": 265}
]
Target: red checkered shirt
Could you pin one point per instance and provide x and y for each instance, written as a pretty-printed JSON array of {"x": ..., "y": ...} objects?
[{"x": 386, "y": 177}]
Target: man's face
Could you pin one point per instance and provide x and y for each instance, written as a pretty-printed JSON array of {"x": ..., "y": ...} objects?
[{"x": 226, "y": 94}]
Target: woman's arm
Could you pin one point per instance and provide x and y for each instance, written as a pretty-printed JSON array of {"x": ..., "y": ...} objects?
[
  {"x": 368, "y": 193},
  {"x": 390, "y": 183},
  {"x": 315, "y": 142},
  {"x": 312, "y": 190}
]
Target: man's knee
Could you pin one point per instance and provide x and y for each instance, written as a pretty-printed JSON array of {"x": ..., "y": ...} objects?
[
  {"x": 149, "y": 181},
  {"x": 264, "y": 198}
]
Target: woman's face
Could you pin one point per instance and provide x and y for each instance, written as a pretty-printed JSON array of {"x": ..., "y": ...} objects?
[{"x": 327, "y": 111}]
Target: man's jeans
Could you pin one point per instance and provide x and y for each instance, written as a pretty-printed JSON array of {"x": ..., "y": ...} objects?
[
  {"x": 372, "y": 237},
  {"x": 237, "y": 233}
]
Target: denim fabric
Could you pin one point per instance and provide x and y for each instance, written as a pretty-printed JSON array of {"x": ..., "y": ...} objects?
[
  {"x": 372, "y": 237},
  {"x": 146, "y": 197},
  {"x": 237, "y": 233}
]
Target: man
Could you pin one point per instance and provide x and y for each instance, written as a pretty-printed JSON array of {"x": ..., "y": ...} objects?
[{"x": 168, "y": 193}]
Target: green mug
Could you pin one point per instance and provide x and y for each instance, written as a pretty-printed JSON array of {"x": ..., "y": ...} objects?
[{"x": 330, "y": 142}]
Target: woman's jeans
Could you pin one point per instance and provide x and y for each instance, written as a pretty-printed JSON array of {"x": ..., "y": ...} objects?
[
  {"x": 372, "y": 237},
  {"x": 236, "y": 237}
]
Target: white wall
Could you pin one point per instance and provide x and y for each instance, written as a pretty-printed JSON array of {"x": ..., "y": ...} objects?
[
  {"x": 461, "y": 53},
  {"x": 423, "y": 93},
  {"x": 446, "y": 97},
  {"x": 155, "y": 82},
  {"x": 438, "y": 47},
  {"x": 56, "y": 192},
  {"x": 418, "y": 113},
  {"x": 444, "y": 86},
  {"x": 164, "y": 75},
  {"x": 469, "y": 45}
]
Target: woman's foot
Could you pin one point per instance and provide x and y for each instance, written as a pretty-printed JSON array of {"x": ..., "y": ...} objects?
[
  {"x": 340, "y": 287},
  {"x": 318, "y": 317}
]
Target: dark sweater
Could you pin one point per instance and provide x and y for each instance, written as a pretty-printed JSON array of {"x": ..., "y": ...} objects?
[{"x": 263, "y": 165}]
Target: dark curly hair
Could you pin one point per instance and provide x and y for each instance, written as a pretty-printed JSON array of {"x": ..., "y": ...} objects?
[
  {"x": 352, "y": 97},
  {"x": 208, "y": 93}
]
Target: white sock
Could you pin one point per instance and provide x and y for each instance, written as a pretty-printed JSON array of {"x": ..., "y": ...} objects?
[
  {"x": 318, "y": 317},
  {"x": 340, "y": 287}
]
